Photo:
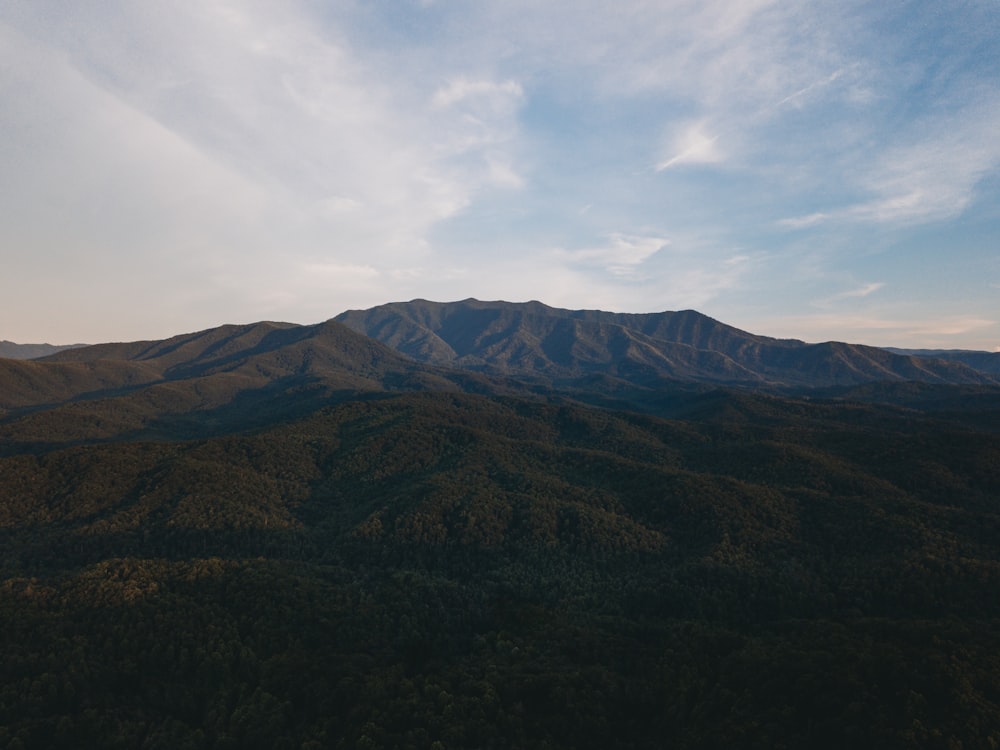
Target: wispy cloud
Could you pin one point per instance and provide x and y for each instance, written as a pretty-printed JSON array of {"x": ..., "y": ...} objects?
[
  {"x": 664, "y": 280},
  {"x": 236, "y": 131},
  {"x": 862, "y": 291},
  {"x": 694, "y": 144},
  {"x": 802, "y": 222},
  {"x": 810, "y": 88},
  {"x": 621, "y": 256},
  {"x": 476, "y": 120},
  {"x": 930, "y": 174},
  {"x": 865, "y": 290},
  {"x": 486, "y": 94}
]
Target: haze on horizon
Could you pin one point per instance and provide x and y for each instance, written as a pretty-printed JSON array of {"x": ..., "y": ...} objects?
[{"x": 825, "y": 170}]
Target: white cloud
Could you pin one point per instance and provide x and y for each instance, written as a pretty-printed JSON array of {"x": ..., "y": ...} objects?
[
  {"x": 475, "y": 122},
  {"x": 797, "y": 96},
  {"x": 93, "y": 184},
  {"x": 620, "y": 257},
  {"x": 484, "y": 95},
  {"x": 865, "y": 290},
  {"x": 228, "y": 134},
  {"x": 694, "y": 144},
  {"x": 501, "y": 173},
  {"x": 646, "y": 272},
  {"x": 930, "y": 174},
  {"x": 802, "y": 222},
  {"x": 561, "y": 281},
  {"x": 935, "y": 177},
  {"x": 862, "y": 291}
]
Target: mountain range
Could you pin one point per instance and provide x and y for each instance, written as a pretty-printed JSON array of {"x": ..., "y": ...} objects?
[
  {"x": 488, "y": 524},
  {"x": 533, "y": 339},
  {"x": 430, "y": 341},
  {"x": 230, "y": 376}
]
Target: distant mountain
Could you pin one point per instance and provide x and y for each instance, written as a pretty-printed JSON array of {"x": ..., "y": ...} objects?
[
  {"x": 982, "y": 361},
  {"x": 10, "y": 350},
  {"x": 533, "y": 339},
  {"x": 242, "y": 376}
]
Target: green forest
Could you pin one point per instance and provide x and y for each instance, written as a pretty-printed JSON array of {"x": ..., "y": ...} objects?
[{"x": 452, "y": 570}]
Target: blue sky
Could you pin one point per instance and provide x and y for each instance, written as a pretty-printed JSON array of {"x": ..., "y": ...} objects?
[{"x": 818, "y": 170}]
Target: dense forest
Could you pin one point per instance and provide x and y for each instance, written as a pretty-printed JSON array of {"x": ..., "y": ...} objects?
[{"x": 459, "y": 562}]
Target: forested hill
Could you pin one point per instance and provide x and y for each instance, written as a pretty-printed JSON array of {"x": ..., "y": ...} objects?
[
  {"x": 221, "y": 379},
  {"x": 483, "y": 571},
  {"x": 535, "y": 339}
]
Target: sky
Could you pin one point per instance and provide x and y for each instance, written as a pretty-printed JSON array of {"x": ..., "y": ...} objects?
[{"x": 820, "y": 170}]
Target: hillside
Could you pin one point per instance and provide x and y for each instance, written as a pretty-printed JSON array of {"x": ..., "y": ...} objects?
[{"x": 532, "y": 339}]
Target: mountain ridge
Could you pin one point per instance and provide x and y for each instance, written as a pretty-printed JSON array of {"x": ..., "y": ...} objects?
[
  {"x": 534, "y": 339},
  {"x": 418, "y": 345}
]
